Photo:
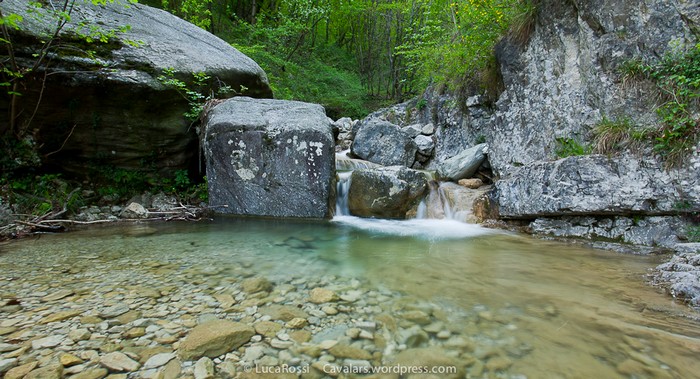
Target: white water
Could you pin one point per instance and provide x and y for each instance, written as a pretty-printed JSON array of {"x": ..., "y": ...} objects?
[{"x": 435, "y": 219}]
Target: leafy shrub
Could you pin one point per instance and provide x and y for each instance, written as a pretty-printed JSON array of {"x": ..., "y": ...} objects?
[{"x": 567, "y": 147}]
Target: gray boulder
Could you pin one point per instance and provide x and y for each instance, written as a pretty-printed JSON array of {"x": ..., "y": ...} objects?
[
  {"x": 425, "y": 144},
  {"x": 270, "y": 158},
  {"x": 464, "y": 164},
  {"x": 113, "y": 110},
  {"x": 386, "y": 192},
  {"x": 384, "y": 143},
  {"x": 597, "y": 185}
]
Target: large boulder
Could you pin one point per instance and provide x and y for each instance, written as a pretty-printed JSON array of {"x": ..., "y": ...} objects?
[
  {"x": 270, "y": 158},
  {"x": 112, "y": 110},
  {"x": 598, "y": 185},
  {"x": 384, "y": 143},
  {"x": 464, "y": 164},
  {"x": 385, "y": 192}
]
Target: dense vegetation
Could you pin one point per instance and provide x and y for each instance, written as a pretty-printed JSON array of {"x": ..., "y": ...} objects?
[{"x": 354, "y": 55}]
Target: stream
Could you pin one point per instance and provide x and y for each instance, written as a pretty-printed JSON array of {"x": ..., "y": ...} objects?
[{"x": 493, "y": 303}]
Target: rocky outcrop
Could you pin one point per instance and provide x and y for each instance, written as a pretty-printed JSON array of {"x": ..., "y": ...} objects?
[
  {"x": 384, "y": 143},
  {"x": 681, "y": 274},
  {"x": 113, "y": 110},
  {"x": 385, "y": 192},
  {"x": 270, "y": 158},
  {"x": 597, "y": 185}
]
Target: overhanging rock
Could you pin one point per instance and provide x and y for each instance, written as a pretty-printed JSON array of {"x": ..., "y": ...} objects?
[{"x": 270, "y": 158}]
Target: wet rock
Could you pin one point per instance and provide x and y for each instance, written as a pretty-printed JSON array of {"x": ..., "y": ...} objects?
[
  {"x": 349, "y": 352},
  {"x": 267, "y": 328},
  {"x": 283, "y": 312},
  {"x": 20, "y": 372},
  {"x": 67, "y": 360},
  {"x": 117, "y": 361},
  {"x": 417, "y": 317},
  {"x": 296, "y": 323},
  {"x": 204, "y": 368},
  {"x": 54, "y": 371},
  {"x": 263, "y": 153},
  {"x": 5, "y": 347},
  {"x": 47, "y": 342},
  {"x": 214, "y": 338},
  {"x": 498, "y": 363},
  {"x": 322, "y": 295},
  {"x": 473, "y": 183},
  {"x": 257, "y": 284},
  {"x": 158, "y": 360},
  {"x": 386, "y": 192},
  {"x": 6, "y": 364},
  {"x": 384, "y": 143},
  {"x": 58, "y": 295},
  {"x": 94, "y": 373},
  {"x": 114, "y": 311},
  {"x": 60, "y": 316},
  {"x": 464, "y": 164},
  {"x": 79, "y": 335}
]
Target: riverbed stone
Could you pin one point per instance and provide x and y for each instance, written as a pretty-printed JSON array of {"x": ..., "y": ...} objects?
[
  {"x": 283, "y": 312},
  {"x": 385, "y": 192},
  {"x": 93, "y": 373},
  {"x": 257, "y": 284},
  {"x": 67, "y": 359},
  {"x": 6, "y": 364},
  {"x": 204, "y": 368},
  {"x": 349, "y": 352},
  {"x": 20, "y": 372},
  {"x": 322, "y": 295},
  {"x": 214, "y": 338},
  {"x": 114, "y": 311},
  {"x": 270, "y": 158},
  {"x": 47, "y": 342},
  {"x": 60, "y": 316},
  {"x": 58, "y": 295},
  {"x": 158, "y": 360},
  {"x": 53, "y": 371},
  {"x": 118, "y": 361}
]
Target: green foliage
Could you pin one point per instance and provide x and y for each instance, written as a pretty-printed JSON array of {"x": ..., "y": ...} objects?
[
  {"x": 201, "y": 90},
  {"x": 568, "y": 147},
  {"x": 198, "y": 12},
  {"x": 692, "y": 232},
  {"x": 612, "y": 136},
  {"x": 677, "y": 77},
  {"x": 41, "y": 194}
]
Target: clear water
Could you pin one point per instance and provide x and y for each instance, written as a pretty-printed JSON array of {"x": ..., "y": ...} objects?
[{"x": 581, "y": 313}]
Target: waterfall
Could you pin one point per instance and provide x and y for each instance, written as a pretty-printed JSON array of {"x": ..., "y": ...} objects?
[
  {"x": 343, "y": 187},
  {"x": 447, "y": 200}
]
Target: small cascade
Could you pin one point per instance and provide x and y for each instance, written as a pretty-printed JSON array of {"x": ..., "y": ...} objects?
[
  {"x": 449, "y": 201},
  {"x": 343, "y": 188},
  {"x": 345, "y": 163}
]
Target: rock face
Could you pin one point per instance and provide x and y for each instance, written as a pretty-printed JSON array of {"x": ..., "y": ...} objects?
[
  {"x": 270, "y": 158},
  {"x": 117, "y": 112},
  {"x": 214, "y": 338},
  {"x": 597, "y": 185},
  {"x": 384, "y": 143},
  {"x": 386, "y": 192}
]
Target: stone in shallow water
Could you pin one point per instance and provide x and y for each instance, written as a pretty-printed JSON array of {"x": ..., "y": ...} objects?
[
  {"x": 114, "y": 311},
  {"x": 158, "y": 360},
  {"x": 58, "y": 295},
  {"x": 214, "y": 338},
  {"x": 322, "y": 295},
  {"x": 95, "y": 373},
  {"x": 204, "y": 368},
  {"x": 20, "y": 371},
  {"x": 257, "y": 284},
  {"x": 349, "y": 352},
  {"x": 430, "y": 357},
  {"x": 283, "y": 312},
  {"x": 79, "y": 335},
  {"x": 68, "y": 360},
  {"x": 54, "y": 371},
  {"x": 5, "y": 347},
  {"x": 118, "y": 361},
  {"x": 6, "y": 364},
  {"x": 50, "y": 341},
  {"x": 60, "y": 316},
  {"x": 267, "y": 328}
]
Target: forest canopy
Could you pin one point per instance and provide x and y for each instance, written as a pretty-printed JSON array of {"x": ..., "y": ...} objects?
[{"x": 352, "y": 55}]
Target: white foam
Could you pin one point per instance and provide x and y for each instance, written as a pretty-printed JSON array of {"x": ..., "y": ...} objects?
[{"x": 421, "y": 228}]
